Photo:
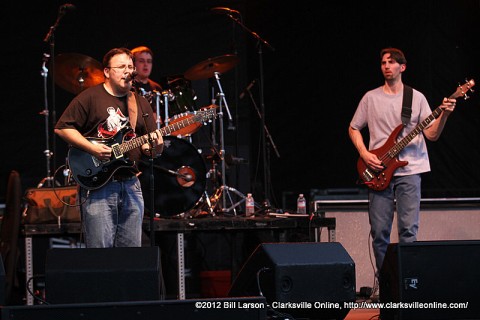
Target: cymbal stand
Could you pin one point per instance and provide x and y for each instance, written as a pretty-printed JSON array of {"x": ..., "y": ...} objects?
[
  {"x": 157, "y": 106},
  {"x": 167, "y": 96},
  {"x": 225, "y": 190},
  {"x": 48, "y": 180}
]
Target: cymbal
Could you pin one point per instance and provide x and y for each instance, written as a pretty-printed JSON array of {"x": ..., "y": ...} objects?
[
  {"x": 75, "y": 72},
  {"x": 206, "y": 69}
]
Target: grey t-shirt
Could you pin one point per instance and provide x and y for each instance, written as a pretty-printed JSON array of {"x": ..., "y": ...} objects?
[{"x": 381, "y": 113}]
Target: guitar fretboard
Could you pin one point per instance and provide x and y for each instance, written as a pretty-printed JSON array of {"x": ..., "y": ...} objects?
[
  {"x": 120, "y": 149},
  {"x": 395, "y": 150}
]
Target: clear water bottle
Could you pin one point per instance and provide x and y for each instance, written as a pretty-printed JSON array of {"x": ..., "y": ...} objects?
[
  {"x": 301, "y": 204},
  {"x": 249, "y": 205}
]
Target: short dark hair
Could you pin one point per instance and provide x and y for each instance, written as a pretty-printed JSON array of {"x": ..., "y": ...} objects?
[
  {"x": 395, "y": 54},
  {"x": 113, "y": 52}
]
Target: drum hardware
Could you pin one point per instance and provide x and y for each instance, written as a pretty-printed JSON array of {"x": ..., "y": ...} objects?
[
  {"x": 208, "y": 68},
  {"x": 182, "y": 180},
  {"x": 224, "y": 189},
  {"x": 76, "y": 72}
]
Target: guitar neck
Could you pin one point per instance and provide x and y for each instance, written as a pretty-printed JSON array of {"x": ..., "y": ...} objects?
[
  {"x": 399, "y": 146},
  {"x": 165, "y": 131}
]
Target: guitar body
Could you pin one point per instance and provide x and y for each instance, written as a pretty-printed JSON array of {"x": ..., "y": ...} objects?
[
  {"x": 379, "y": 180},
  {"x": 88, "y": 171}
]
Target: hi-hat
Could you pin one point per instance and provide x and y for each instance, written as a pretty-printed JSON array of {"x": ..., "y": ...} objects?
[
  {"x": 206, "y": 69},
  {"x": 75, "y": 72}
]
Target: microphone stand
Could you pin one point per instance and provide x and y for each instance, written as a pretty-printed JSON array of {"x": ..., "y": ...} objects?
[
  {"x": 152, "y": 181},
  {"x": 264, "y": 125},
  {"x": 266, "y": 164},
  {"x": 50, "y": 39},
  {"x": 47, "y": 181}
]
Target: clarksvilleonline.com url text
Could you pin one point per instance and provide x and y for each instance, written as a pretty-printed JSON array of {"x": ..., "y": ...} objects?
[{"x": 405, "y": 305}]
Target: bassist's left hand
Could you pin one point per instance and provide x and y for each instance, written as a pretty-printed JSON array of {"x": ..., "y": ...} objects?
[{"x": 448, "y": 105}]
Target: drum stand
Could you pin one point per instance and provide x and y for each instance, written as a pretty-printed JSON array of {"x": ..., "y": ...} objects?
[{"x": 225, "y": 190}]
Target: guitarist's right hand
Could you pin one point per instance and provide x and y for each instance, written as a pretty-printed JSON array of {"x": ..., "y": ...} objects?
[
  {"x": 101, "y": 152},
  {"x": 372, "y": 161}
]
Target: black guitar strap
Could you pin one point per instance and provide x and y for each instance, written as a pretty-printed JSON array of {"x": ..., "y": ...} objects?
[{"x": 407, "y": 104}]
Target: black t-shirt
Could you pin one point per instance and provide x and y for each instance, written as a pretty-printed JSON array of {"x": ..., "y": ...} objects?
[{"x": 97, "y": 114}]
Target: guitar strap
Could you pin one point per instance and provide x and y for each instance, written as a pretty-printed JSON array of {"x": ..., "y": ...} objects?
[
  {"x": 132, "y": 109},
  {"x": 407, "y": 104}
]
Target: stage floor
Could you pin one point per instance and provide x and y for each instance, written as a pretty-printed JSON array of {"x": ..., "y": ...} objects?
[{"x": 363, "y": 314}]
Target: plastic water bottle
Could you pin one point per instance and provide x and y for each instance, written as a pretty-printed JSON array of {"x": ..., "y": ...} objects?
[
  {"x": 249, "y": 205},
  {"x": 301, "y": 204}
]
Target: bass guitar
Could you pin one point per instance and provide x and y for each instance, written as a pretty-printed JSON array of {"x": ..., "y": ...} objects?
[
  {"x": 91, "y": 173},
  {"x": 388, "y": 153}
]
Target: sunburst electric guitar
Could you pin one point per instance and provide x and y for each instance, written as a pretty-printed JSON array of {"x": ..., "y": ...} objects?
[
  {"x": 388, "y": 153},
  {"x": 91, "y": 173}
]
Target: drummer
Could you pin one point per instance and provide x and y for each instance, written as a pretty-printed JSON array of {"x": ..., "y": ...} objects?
[{"x": 143, "y": 85}]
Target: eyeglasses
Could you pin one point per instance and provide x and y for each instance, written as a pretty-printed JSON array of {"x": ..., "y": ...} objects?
[{"x": 124, "y": 67}]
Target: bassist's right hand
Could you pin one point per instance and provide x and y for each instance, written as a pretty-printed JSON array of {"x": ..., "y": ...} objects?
[{"x": 372, "y": 161}]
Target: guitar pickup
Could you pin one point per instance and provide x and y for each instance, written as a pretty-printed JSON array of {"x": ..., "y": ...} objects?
[
  {"x": 117, "y": 153},
  {"x": 367, "y": 175}
]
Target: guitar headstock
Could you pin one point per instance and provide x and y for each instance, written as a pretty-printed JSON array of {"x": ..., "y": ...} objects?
[
  {"x": 462, "y": 90},
  {"x": 207, "y": 113}
]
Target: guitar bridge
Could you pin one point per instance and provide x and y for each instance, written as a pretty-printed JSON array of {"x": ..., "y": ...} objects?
[{"x": 367, "y": 175}]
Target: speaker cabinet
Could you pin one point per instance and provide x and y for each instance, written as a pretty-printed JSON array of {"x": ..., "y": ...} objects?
[
  {"x": 305, "y": 280},
  {"x": 427, "y": 276},
  {"x": 102, "y": 275}
]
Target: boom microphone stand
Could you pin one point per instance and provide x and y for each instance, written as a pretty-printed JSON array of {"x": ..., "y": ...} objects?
[
  {"x": 50, "y": 39},
  {"x": 260, "y": 42},
  {"x": 48, "y": 180}
]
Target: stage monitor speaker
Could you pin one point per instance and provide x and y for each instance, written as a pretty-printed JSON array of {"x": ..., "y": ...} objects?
[
  {"x": 102, "y": 275},
  {"x": 427, "y": 276},
  {"x": 303, "y": 279}
]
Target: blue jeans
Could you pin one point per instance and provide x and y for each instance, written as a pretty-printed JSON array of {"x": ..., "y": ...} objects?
[
  {"x": 112, "y": 215},
  {"x": 407, "y": 192}
]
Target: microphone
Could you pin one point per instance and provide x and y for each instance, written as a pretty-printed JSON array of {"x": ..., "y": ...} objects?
[
  {"x": 131, "y": 76},
  {"x": 247, "y": 88},
  {"x": 66, "y": 8},
  {"x": 223, "y": 10}
]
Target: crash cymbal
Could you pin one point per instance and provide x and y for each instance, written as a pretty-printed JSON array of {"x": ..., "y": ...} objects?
[
  {"x": 206, "y": 69},
  {"x": 75, "y": 72}
]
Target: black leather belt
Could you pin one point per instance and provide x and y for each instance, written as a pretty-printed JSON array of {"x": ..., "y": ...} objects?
[{"x": 122, "y": 178}]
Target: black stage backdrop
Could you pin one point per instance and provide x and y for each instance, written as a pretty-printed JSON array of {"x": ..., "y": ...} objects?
[{"x": 326, "y": 57}]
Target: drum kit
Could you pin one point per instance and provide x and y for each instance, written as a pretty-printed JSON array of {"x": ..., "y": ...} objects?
[{"x": 180, "y": 173}]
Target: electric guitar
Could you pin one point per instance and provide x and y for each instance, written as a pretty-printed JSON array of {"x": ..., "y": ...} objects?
[
  {"x": 388, "y": 153},
  {"x": 92, "y": 173}
]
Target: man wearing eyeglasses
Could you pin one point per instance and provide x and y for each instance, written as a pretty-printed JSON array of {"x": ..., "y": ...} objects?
[{"x": 108, "y": 128}]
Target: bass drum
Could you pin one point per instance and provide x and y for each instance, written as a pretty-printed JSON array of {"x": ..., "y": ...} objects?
[{"x": 180, "y": 176}]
